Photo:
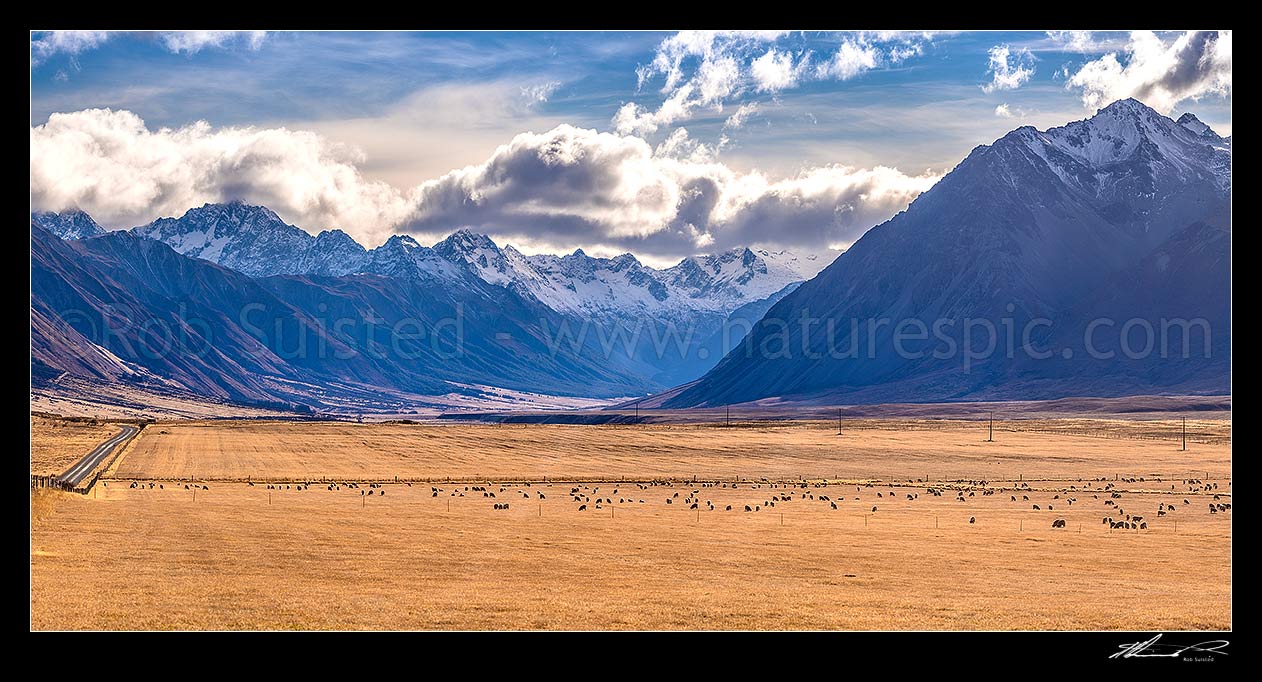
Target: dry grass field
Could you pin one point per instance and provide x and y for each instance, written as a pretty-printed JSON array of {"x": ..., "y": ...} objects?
[
  {"x": 933, "y": 449},
  {"x": 246, "y": 556},
  {"x": 58, "y": 443}
]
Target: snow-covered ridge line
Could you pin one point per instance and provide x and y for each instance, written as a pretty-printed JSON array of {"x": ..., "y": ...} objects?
[{"x": 255, "y": 241}]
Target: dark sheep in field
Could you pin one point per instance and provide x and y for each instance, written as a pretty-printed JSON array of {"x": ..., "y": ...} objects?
[
  {"x": 747, "y": 508},
  {"x": 972, "y": 520},
  {"x": 1213, "y": 509},
  {"x": 834, "y": 504},
  {"x": 873, "y": 507},
  {"x": 729, "y": 508},
  {"x": 694, "y": 506},
  {"x": 668, "y": 500},
  {"x": 205, "y": 487},
  {"x": 1036, "y": 506},
  {"x": 1025, "y": 498},
  {"x": 582, "y": 507},
  {"x": 371, "y": 492},
  {"x": 757, "y": 508},
  {"x": 434, "y": 495},
  {"x": 542, "y": 497},
  {"x": 1143, "y": 526},
  {"x": 1014, "y": 498}
]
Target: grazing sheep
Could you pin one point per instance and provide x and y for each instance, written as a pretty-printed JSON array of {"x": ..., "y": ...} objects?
[
  {"x": 729, "y": 507},
  {"x": 1036, "y": 506},
  {"x": 873, "y": 507},
  {"x": 582, "y": 507},
  {"x": 972, "y": 520},
  {"x": 747, "y": 508}
]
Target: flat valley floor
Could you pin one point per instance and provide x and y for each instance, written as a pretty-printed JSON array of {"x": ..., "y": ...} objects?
[{"x": 203, "y": 525}]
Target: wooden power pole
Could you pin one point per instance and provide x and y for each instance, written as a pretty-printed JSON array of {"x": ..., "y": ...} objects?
[
  {"x": 991, "y": 438},
  {"x": 1185, "y": 433},
  {"x": 839, "y": 421}
]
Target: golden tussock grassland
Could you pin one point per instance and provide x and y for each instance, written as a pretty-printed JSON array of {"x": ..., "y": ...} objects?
[{"x": 238, "y": 556}]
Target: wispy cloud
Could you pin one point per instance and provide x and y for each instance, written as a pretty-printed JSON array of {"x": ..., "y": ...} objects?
[
  {"x": 1008, "y": 68},
  {"x": 1159, "y": 72},
  {"x": 738, "y": 119},
  {"x": 47, "y": 44},
  {"x": 192, "y": 42},
  {"x": 705, "y": 70},
  {"x": 1075, "y": 41},
  {"x": 1006, "y": 111},
  {"x": 540, "y": 92}
]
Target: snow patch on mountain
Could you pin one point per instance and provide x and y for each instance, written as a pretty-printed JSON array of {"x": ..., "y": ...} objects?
[
  {"x": 625, "y": 288},
  {"x": 71, "y": 224}
]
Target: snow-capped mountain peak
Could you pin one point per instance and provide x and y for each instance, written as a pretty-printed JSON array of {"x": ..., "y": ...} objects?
[
  {"x": 255, "y": 241},
  {"x": 68, "y": 224},
  {"x": 1194, "y": 124}
]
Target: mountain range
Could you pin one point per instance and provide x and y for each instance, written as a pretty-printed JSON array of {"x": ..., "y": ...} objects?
[
  {"x": 1120, "y": 219},
  {"x": 1054, "y": 244},
  {"x": 569, "y": 325}
]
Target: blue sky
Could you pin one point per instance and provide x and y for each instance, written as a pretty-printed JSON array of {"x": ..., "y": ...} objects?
[{"x": 387, "y": 117}]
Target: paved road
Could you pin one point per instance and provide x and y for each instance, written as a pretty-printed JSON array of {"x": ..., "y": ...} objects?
[{"x": 83, "y": 467}]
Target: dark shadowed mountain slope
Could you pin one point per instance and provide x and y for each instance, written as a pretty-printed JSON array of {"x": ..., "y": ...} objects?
[
  {"x": 1067, "y": 225},
  {"x": 125, "y": 308}
]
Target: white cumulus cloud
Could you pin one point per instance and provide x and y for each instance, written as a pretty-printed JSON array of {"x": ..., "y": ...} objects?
[
  {"x": 1002, "y": 111},
  {"x": 111, "y": 165},
  {"x": 776, "y": 71},
  {"x": 572, "y": 185},
  {"x": 567, "y": 186},
  {"x": 1009, "y": 69},
  {"x": 850, "y": 60},
  {"x": 1159, "y": 72}
]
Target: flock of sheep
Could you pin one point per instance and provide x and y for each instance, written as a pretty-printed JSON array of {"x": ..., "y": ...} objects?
[{"x": 830, "y": 495}]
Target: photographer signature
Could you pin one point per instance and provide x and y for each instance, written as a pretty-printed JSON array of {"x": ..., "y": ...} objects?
[{"x": 1152, "y": 649}]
